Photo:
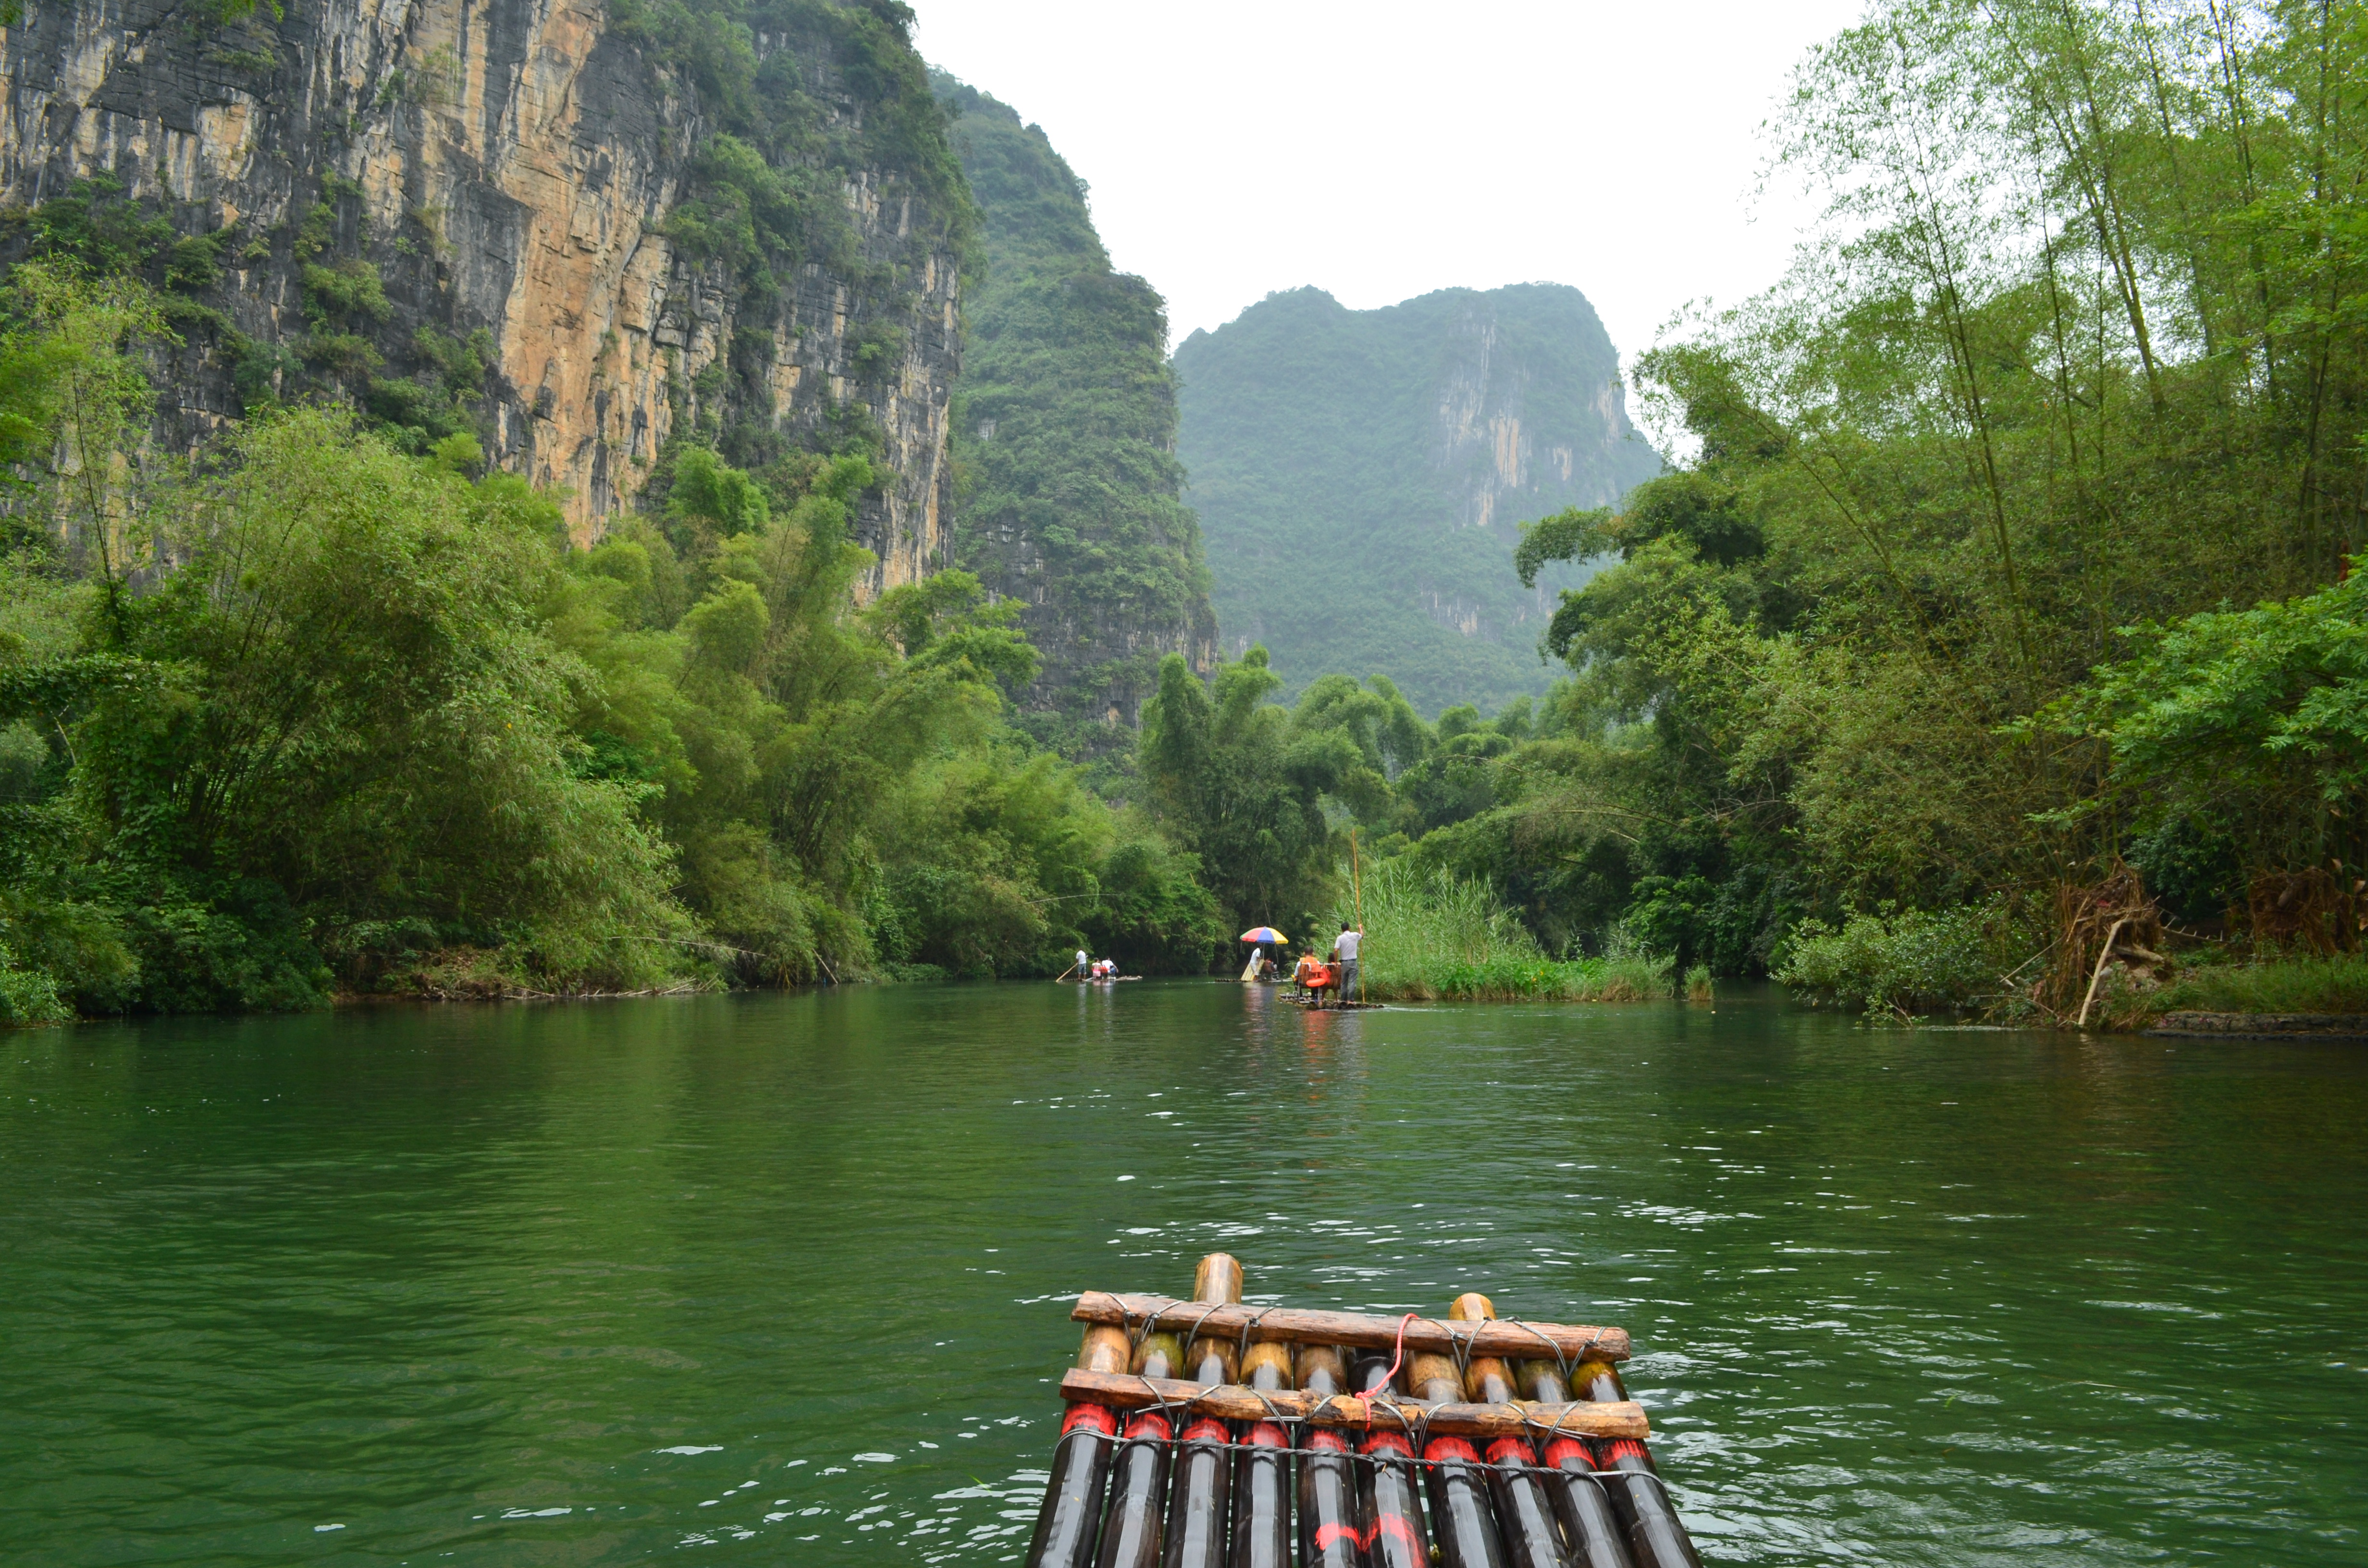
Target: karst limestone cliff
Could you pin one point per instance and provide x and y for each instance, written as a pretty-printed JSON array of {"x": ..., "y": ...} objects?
[
  {"x": 1065, "y": 430},
  {"x": 1361, "y": 477},
  {"x": 580, "y": 230}
]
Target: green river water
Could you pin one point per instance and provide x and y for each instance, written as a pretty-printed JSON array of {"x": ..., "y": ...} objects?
[{"x": 784, "y": 1278}]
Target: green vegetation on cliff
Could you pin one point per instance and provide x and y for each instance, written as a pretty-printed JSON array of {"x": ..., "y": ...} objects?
[
  {"x": 1940, "y": 627},
  {"x": 315, "y": 715},
  {"x": 1064, "y": 432},
  {"x": 1360, "y": 475}
]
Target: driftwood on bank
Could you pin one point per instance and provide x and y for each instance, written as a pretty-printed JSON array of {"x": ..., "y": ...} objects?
[
  {"x": 2115, "y": 921},
  {"x": 1499, "y": 1337},
  {"x": 1586, "y": 1418}
]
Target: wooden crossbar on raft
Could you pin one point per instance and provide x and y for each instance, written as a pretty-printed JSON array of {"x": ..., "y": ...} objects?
[
  {"x": 1623, "y": 1418},
  {"x": 1509, "y": 1337}
]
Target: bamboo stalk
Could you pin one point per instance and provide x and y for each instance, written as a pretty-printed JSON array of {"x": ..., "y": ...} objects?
[
  {"x": 1071, "y": 1515},
  {"x": 1329, "y": 1533},
  {"x": 1501, "y": 1337},
  {"x": 1462, "y": 1515},
  {"x": 1586, "y": 1418},
  {"x": 1200, "y": 1496},
  {"x": 1525, "y": 1510}
]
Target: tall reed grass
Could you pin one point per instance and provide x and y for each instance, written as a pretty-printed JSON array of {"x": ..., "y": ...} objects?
[{"x": 1437, "y": 937}]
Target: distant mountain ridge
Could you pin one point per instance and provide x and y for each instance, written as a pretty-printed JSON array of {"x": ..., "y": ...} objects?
[{"x": 1361, "y": 477}]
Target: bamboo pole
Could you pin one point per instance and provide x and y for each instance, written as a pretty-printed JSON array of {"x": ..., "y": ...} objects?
[
  {"x": 1598, "y": 1539},
  {"x": 1261, "y": 1535},
  {"x": 1329, "y": 1533},
  {"x": 1200, "y": 1496},
  {"x": 1394, "y": 1532},
  {"x": 1500, "y": 1336},
  {"x": 1525, "y": 1510},
  {"x": 1463, "y": 1518},
  {"x": 1656, "y": 1537},
  {"x": 1132, "y": 1534},
  {"x": 1585, "y": 1419},
  {"x": 1071, "y": 1516}
]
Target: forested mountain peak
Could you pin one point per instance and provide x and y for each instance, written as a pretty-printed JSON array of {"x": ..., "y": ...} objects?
[
  {"x": 1064, "y": 436},
  {"x": 1363, "y": 475}
]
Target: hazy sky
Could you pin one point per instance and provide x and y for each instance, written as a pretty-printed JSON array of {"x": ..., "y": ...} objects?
[{"x": 1382, "y": 150}]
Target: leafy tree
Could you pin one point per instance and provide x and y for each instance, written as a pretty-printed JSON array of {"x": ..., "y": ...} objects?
[{"x": 1237, "y": 785}]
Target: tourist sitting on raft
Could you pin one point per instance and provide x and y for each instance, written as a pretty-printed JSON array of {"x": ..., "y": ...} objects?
[{"x": 1312, "y": 976}]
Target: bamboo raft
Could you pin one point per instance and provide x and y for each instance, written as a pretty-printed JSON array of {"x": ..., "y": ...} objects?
[{"x": 1208, "y": 1434}]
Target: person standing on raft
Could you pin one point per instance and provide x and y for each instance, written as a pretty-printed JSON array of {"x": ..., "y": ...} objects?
[{"x": 1344, "y": 950}]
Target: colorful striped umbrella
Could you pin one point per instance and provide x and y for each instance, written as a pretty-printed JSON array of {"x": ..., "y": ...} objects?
[{"x": 1265, "y": 934}]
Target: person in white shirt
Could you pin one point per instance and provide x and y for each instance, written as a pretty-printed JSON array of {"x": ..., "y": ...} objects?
[
  {"x": 1083, "y": 963},
  {"x": 1344, "y": 947}
]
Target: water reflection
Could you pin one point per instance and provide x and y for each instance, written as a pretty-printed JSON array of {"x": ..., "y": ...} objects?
[{"x": 784, "y": 1275}]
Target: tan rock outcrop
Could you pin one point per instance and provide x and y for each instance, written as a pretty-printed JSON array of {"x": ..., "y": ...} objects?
[{"x": 509, "y": 166}]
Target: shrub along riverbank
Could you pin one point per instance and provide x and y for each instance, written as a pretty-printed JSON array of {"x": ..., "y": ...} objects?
[{"x": 1431, "y": 937}]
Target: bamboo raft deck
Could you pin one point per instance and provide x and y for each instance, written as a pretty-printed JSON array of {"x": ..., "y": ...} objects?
[{"x": 1210, "y": 1434}]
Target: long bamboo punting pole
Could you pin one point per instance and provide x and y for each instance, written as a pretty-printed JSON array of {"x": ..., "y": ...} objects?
[
  {"x": 1198, "y": 1496},
  {"x": 1393, "y": 1533},
  {"x": 1656, "y": 1537},
  {"x": 1525, "y": 1511},
  {"x": 1262, "y": 1471},
  {"x": 1330, "y": 1534},
  {"x": 1462, "y": 1520},
  {"x": 1072, "y": 1513},
  {"x": 1138, "y": 1506},
  {"x": 1597, "y": 1537},
  {"x": 1504, "y": 1336}
]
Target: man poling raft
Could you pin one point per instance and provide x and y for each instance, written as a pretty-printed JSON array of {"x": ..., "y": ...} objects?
[{"x": 1218, "y": 1494}]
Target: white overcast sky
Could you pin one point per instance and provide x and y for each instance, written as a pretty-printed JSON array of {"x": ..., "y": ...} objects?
[{"x": 1382, "y": 150}]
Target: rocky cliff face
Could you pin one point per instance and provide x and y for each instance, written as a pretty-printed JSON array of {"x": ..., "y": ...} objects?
[
  {"x": 520, "y": 217},
  {"x": 1361, "y": 477},
  {"x": 1065, "y": 432}
]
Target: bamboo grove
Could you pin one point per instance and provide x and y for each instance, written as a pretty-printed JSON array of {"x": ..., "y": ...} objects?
[{"x": 2013, "y": 539}]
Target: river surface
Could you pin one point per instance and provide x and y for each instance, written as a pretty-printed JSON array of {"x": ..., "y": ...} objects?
[{"x": 784, "y": 1279}]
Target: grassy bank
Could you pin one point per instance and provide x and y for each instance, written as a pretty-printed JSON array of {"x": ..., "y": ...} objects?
[
  {"x": 2209, "y": 983},
  {"x": 1436, "y": 937}
]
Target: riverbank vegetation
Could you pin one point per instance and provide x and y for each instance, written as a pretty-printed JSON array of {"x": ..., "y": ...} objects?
[
  {"x": 1995, "y": 632},
  {"x": 1431, "y": 938},
  {"x": 2010, "y": 558},
  {"x": 311, "y": 715}
]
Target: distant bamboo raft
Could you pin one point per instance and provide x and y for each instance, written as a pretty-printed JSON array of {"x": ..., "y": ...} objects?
[{"x": 1185, "y": 1421}]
